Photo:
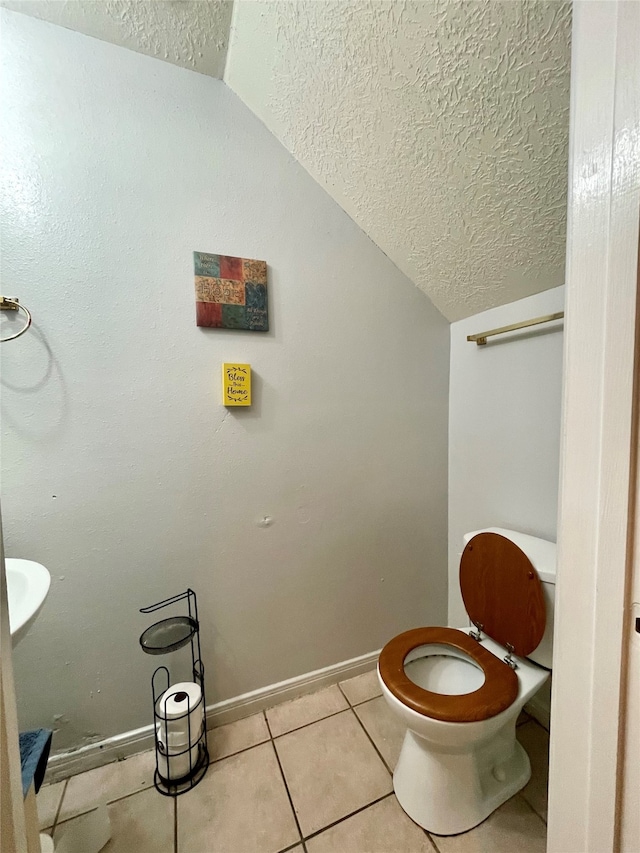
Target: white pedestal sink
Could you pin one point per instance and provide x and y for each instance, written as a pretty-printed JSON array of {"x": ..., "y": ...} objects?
[{"x": 27, "y": 588}]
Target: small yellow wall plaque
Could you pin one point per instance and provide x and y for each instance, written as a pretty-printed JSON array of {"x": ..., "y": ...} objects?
[{"x": 236, "y": 384}]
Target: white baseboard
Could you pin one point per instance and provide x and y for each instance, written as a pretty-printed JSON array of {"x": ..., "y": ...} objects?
[{"x": 65, "y": 764}]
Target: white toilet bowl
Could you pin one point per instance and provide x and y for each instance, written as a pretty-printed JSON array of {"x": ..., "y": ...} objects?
[
  {"x": 460, "y": 697},
  {"x": 450, "y": 776}
]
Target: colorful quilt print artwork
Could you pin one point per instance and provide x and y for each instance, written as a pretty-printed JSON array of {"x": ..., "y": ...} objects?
[{"x": 231, "y": 293}]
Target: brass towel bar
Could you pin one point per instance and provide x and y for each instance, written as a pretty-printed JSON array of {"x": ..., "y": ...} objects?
[{"x": 481, "y": 337}]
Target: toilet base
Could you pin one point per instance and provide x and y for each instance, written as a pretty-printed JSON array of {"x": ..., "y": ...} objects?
[{"x": 449, "y": 792}]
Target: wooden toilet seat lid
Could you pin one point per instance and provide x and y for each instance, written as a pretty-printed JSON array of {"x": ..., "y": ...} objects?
[
  {"x": 498, "y": 692},
  {"x": 503, "y": 593}
]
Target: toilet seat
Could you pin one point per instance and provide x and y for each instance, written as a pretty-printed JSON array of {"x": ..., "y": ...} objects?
[{"x": 498, "y": 692}]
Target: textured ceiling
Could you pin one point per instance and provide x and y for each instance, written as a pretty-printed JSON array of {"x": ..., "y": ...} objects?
[
  {"x": 441, "y": 127},
  {"x": 191, "y": 33}
]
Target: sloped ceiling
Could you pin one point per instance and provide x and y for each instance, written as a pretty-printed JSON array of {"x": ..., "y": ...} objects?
[
  {"x": 191, "y": 33},
  {"x": 440, "y": 126}
]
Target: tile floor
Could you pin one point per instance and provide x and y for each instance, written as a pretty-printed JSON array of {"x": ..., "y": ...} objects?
[{"x": 311, "y": 775}]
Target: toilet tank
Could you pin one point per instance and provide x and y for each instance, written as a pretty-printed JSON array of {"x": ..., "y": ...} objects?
[{"x": 542, "y": 555}]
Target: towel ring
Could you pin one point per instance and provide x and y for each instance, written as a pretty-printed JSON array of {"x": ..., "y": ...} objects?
[{"x": 7, "y": 304}]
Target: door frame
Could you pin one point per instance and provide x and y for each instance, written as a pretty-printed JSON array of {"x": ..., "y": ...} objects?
[{"x": 595, "y": 508}]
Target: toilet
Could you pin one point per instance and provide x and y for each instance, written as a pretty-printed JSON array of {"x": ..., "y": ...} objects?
[{"x": 459, "y": 691}]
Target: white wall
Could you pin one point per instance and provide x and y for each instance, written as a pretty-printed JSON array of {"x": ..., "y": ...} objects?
[
  {"x": 122, "y": 471},
  {"x": 504, "y": 428}
]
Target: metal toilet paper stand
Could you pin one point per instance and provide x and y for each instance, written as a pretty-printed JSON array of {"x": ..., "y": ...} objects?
[{"x": 179, "y": 767}]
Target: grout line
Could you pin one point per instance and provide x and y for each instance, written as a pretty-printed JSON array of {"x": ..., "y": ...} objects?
[
  {"x": 430, "y": 837},
  {"x": 347, "y": 816},
  {"x": 123, "y": 797},
  {"x": 362, "y": 701},
  {"x": 344, "y": 694},
  {"x": 306, "y": 725},
  {"x": 372, "y": 743},
  {"x": 59, "y": 809},
  {"x": 82, "y": 814},
  {"x": 292, "y": 847},
  {"x": 284, "y": 780},
  {"x": 522, "y": 797},
  {"x": 538, "y": 723},
  {"x": 107, "y": 803},
  {"x": 175, "y": 824},
  {"x": 238, "y": 751}
]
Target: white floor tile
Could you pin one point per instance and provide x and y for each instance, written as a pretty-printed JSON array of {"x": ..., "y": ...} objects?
[
  {"x": 384, "y": 728},
  {"x": 331, "y": 770},
  {"x": 48, "y": 801},
  {"x": 234, "y": 737},
  {"x": 141, "y": 823},
  {"x": 382, "y": 828},
  {"x": 513, "y": 828},
  {"x": 241, "y": 806},
  {"x": 307, "y": 709},
  {"x": 105, "y": 784},
  {"x": 362, "y": 687}
]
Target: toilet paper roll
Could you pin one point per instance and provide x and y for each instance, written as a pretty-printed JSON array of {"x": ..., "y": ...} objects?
[
  {"x": 180, "y": 699},
  {"x": 172, "y": 743},
  {"x": 179, "y": 764},
  {"x": 180, "y": 711}
]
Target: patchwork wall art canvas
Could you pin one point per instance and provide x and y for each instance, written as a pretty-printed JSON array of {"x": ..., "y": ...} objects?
[{"x": 231, "y": 293}]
